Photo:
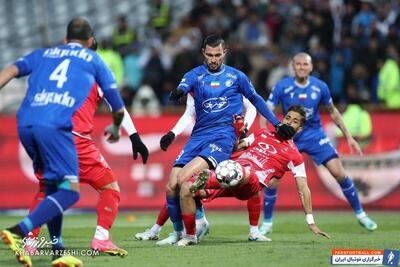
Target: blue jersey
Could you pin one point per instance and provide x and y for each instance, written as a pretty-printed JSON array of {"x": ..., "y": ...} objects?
[
  {"x": 60, "y": 79},
  {"x": 218, "y": 96},
  {"x": 312, "y": 138},
  {"x": 289, "y": 93}
]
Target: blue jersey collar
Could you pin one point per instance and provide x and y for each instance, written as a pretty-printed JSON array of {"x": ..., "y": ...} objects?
[{"x": 222, "y": 69}]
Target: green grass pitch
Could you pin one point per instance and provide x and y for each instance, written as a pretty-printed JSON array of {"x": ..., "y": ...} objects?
[{"x": 226, "y": 245}]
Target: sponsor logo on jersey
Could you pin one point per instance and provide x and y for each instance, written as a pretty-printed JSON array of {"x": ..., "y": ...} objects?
[
  {"x": 303, "y": 96},
  {"x": 56, "y": 52},
  {"x": 309, "y": 112},
  {"x": 215, "y": 104},
  {"x": 324, "y": 141},
  {"x": 44, "y": 98},
  {"x": 215, "y": 84},
  {"x": 228, "y": 83}
]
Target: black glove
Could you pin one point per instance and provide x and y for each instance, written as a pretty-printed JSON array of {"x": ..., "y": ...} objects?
[
  {"x": 139, "y": 147},
  {"x": 166, "y": 140},
  {"x": 285, "y": 131},
  {"x": 176, "y": 94}
]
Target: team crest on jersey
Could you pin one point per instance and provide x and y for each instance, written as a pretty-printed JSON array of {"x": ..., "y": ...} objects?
[
  {"x": 228, "y": 83},
  {"x": 215, "y": 104},
  {"x": 314, "y": 95}
]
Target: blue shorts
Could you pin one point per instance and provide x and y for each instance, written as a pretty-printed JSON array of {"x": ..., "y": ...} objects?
[
  {"x": 52, "y": 151},
  {"x": 215, "y": 148},
  {"x": 316, "y": 144}
]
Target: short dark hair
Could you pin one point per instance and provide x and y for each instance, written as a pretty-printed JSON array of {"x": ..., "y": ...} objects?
[
  {"x": 79, "y": 29},
  {"x": 301, "y": 110},
  {"x": 213, "y": 40}
]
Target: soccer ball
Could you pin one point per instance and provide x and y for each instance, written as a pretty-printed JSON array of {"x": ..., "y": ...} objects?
[{"x": 229, "y": 173}]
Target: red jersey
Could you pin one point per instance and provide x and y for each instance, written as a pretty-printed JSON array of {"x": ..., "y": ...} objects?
[
  {"x": 84, "y": 116},
  {"x": 271, "y": 156}
]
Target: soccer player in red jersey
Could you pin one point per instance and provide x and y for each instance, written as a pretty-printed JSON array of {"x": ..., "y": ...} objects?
[{"x": 264, "y": 160}]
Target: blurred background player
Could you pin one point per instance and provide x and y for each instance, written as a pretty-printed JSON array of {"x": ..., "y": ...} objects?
[
  {"x": 187, "y": 119},
  {"x": 308, "y": 91},
  {"x": 218, "y": 92},
  {"x": 94, "y": 170},
  {"x": 61, "y": 79},
  {"x": 264, "y": 158}
]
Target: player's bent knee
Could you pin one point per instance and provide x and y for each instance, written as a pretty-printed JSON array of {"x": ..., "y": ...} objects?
[
  {"x": 185, "y": 192},
  {"x": 170, "y": 189},
  {"x": 113, "y": 186}
]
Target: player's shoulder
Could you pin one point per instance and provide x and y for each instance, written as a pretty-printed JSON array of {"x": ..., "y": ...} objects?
[
  {"x": 314, "y": 81},
  {"x": 234, "y": 72},
  {"x": 197, "y": 71}
]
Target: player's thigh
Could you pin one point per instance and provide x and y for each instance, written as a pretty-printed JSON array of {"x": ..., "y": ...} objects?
[
  {"x": 216, "y": 149},
  {"x": 195, "y": 165},
  {"x": 58, "y": 153},
  {"x": 335, "y": 167},
  {"x": 172, "y": 183},
  {"x": 27, "y": 140},
  {"x": 93, "y": 168}
]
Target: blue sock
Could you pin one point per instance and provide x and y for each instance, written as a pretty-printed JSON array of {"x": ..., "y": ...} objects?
[
  {"x": 351, "y": 193},
  {"x": 269, "y": 203},
  {"x": 174, "y": 210},
  {"x": 53, "y": 205},
  {"x": 199, "y": 209},
  {"x": 55, "y": 226}
]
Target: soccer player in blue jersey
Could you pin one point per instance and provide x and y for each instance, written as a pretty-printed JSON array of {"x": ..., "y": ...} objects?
[
  {"x": 218, "y": 92},
  {"x": 60, "y": 79},
  {"x": 308, "y": 91}
]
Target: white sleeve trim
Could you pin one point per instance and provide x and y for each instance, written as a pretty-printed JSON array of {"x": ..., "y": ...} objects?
[
  {"x": 299, "y": 170},
  {"x": 127, "y": 123},
  {"x": 250, "y": 112},
  {"x": 249, "y": 139},
  {"x": 187, "y": 117}
]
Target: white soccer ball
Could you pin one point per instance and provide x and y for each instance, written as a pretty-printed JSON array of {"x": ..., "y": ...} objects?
[{"x": 229, "y": 173}]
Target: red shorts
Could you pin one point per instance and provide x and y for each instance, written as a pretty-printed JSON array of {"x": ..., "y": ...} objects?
[
  {"x": 241, "y": 192},
  {"x": 93, "y": 168}
]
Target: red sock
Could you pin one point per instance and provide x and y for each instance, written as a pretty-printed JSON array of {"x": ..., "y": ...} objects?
[
  {"x": 107, "y": 208},
  {"x": 40, "y": 195},
  {"x": 254, "y": 209},
  {"x": 163, "y": 215},
  {"x": 190, "y": 223},
  {"x": 213, "y": 182}
]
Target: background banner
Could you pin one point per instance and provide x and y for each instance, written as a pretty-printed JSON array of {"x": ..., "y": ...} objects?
[{"x": 376, "y": 174}]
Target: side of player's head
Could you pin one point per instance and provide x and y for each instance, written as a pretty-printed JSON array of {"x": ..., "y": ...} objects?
[
  {"x": 300, "y": 110},
  {"x": 79, "y": 29},
  {"x": 213, "y": 40}
]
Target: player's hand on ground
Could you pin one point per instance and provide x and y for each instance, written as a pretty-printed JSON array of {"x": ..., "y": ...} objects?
[
  {"x": 138, "y": 147},
  {"x": 166, "y": 140},
  {"x": 240, "y": 126},
  {"x": 285, "y": 131},
  {"x": 314, "y": 228},
  {"x": 354, "y": 146},
  {"x": 112, "y": 133}
]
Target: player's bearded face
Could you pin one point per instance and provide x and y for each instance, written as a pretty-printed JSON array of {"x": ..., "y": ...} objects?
[
  {"x": 293, "y": 119},
  {"x": 302, "y": 67},
  {"x": 214, "y": 56}
]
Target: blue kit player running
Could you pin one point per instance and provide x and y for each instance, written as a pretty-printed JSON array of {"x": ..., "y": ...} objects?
[
  {"x": 309, "y": 92},
  {"x": 218, "y": 92},
  {"x": 60, "y": 79}
]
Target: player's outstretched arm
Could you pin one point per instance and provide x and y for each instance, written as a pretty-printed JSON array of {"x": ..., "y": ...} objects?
[
  {"x": 337, "y": 118},
  {"x": 7, "y": 74},
  {"x": 184, "y": 121},
  {"x": 305, "y": 197}
]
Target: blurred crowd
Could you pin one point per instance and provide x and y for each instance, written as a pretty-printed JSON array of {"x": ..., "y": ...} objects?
[{"x": 355, "y": 47}]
